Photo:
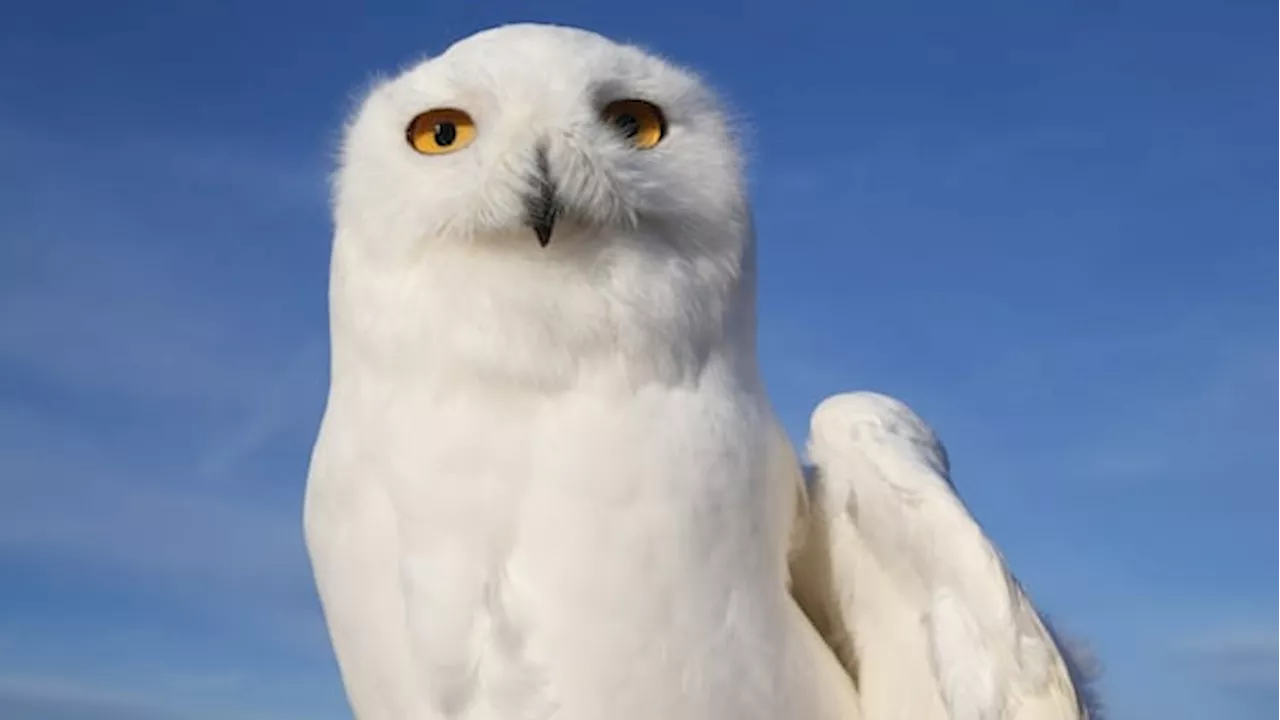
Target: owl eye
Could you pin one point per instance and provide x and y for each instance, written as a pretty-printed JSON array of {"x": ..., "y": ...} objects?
[
  {"x": 638, "y": 122},
  {"x": 440, "y": 131}
]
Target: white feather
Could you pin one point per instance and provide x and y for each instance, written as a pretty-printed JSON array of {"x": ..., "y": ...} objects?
[{"x": 937, "y": 624}]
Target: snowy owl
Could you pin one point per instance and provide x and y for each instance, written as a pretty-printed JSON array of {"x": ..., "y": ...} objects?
[{"x": 549, "y": 483}]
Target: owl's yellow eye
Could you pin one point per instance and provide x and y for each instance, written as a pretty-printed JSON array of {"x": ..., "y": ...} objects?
[
  {"x": 640, "y": 122},
  {"x": 440, "y": 131}
]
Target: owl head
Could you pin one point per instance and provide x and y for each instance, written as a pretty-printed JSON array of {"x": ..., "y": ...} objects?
[{"x": 539, "y": 189}]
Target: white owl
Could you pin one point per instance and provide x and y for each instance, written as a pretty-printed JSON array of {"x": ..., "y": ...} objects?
[{"x": 549, "y": 482}]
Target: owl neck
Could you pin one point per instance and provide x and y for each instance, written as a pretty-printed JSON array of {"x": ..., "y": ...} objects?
[{"x": 503, "y": 322}]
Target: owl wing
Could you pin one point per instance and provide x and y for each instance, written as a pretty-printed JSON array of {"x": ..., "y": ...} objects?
[{"x": 905, "y": 587}]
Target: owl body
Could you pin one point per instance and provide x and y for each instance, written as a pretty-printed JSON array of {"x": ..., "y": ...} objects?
[
  {"x": 620, "y": 556},
  {"x": 546, "y": 484}
]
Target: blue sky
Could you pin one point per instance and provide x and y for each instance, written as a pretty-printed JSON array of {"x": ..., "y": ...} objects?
[{"x": 1047, "y": 226}]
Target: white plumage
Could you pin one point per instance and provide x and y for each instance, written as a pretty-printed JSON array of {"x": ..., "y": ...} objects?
[
  {"x": 902, "y": 579},
  {"x": 549, "y": 483}
]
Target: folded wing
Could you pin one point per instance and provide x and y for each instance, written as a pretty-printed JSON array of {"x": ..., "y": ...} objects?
[{"x": 906, "y": 588}]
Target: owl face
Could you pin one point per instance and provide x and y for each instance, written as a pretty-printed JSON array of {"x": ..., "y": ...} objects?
[
  {"x": 542, "y": 138},
  {"x": 537, "y": 205}
]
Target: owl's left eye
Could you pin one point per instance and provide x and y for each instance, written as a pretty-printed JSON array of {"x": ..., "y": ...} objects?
[
  {"x": 440, "y": 131},
  {"x": 639, "y": 122}
]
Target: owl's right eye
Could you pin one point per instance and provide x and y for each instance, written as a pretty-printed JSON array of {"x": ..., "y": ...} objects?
[{"x": 440, "y": 131}]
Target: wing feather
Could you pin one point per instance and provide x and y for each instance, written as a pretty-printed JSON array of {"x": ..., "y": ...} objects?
[{"x": 905, "y": 586}]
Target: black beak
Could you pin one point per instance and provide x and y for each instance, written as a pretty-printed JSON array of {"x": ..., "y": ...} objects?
[{"x": 541, "y": 206}]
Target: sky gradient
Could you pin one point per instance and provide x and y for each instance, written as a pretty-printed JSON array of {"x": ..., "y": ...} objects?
[{"x": 1047, "y": 226}]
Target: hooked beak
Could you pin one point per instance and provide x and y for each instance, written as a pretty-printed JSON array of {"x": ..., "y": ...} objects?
[{"x": 541, "y": 206}]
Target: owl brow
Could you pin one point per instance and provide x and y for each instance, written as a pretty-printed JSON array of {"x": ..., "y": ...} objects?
[{"x": 612, "y": 89}]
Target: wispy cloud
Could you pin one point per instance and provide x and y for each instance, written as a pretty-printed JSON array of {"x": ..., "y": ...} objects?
[
  {"x": 290, "y": 400},
  {"x": 190, "y": 697},
  {"x": 1235, "y": 657},
  {"x": 1221, "y": 375},
  {"x": 138, "y": 521},
  {"x": 42, "y": 698},
  {"x": 154, "y": 430}
]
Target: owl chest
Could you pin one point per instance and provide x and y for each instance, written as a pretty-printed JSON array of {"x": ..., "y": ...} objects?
[
  {"x": 459, "y": 470},
  {"x": 536, "y": 543},
  {"x": 546, "y": 546}
]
